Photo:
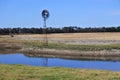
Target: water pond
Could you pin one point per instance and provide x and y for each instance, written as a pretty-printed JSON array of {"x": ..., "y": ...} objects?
[{"x": 20, "y": 58}]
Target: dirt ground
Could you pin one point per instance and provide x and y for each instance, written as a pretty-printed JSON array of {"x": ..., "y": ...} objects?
[{"x": 74, "y": 38}]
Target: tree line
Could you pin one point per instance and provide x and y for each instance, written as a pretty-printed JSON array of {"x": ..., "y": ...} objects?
[{"x": 70, "y": 29}]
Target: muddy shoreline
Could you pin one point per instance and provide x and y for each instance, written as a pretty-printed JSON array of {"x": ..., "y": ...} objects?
[
  {"x": 109, "y": 55},
  {"x": 104, "y": 55}
]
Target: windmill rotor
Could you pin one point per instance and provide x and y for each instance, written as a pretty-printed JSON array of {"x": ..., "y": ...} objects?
[{"x": 45, "y": 14}]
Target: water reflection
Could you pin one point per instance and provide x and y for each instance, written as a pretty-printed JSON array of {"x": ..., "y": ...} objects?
[
  {"x": 78, "y": 57},
  {"x": 50, "y": 62},
  {"x": 44, "y": 61}
]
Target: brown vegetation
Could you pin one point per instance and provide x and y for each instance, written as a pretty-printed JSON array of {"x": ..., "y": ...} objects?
[{"x": 74, "y": 38}]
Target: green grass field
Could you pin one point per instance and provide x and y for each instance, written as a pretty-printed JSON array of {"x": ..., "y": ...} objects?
[
  {"x": 21, "y": 72},
  {"x": 98, "y": 47}
]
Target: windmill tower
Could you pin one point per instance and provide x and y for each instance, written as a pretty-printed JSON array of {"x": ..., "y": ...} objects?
[{"x": 45, "y": 15}]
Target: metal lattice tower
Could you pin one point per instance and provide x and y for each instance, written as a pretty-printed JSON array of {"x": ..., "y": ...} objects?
[{"x": 45, "y": 15}]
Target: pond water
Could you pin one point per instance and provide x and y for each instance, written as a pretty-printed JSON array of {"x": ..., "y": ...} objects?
[{"x": 59, "y": 62}]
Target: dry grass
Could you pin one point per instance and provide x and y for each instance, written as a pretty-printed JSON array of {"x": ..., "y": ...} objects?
[
  {"x": 68, "y": 38},
  {"x": 81, "y": 36},
  {"x": 87, "y": 36}
]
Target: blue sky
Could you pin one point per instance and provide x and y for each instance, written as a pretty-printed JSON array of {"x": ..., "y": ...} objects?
[{"x": 82, "y": 13}]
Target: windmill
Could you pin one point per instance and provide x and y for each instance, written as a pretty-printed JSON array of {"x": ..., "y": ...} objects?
[{"x": 45, "y": 15}]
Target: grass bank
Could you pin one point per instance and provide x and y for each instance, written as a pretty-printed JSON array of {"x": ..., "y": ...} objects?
[
  {"x": 57, "y": 46},
  {"x": 21, "y": 72},
  {"x": 92, "y": 52},
  {"x": 99, "y": 52},
  {"x": 61, "y": 46}
]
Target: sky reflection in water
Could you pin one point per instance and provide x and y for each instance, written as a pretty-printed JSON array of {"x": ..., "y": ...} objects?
[{"x": 53, "y": 62}]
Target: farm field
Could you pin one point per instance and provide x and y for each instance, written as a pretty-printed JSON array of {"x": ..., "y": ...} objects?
[{"x": 71, "y": 38}]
